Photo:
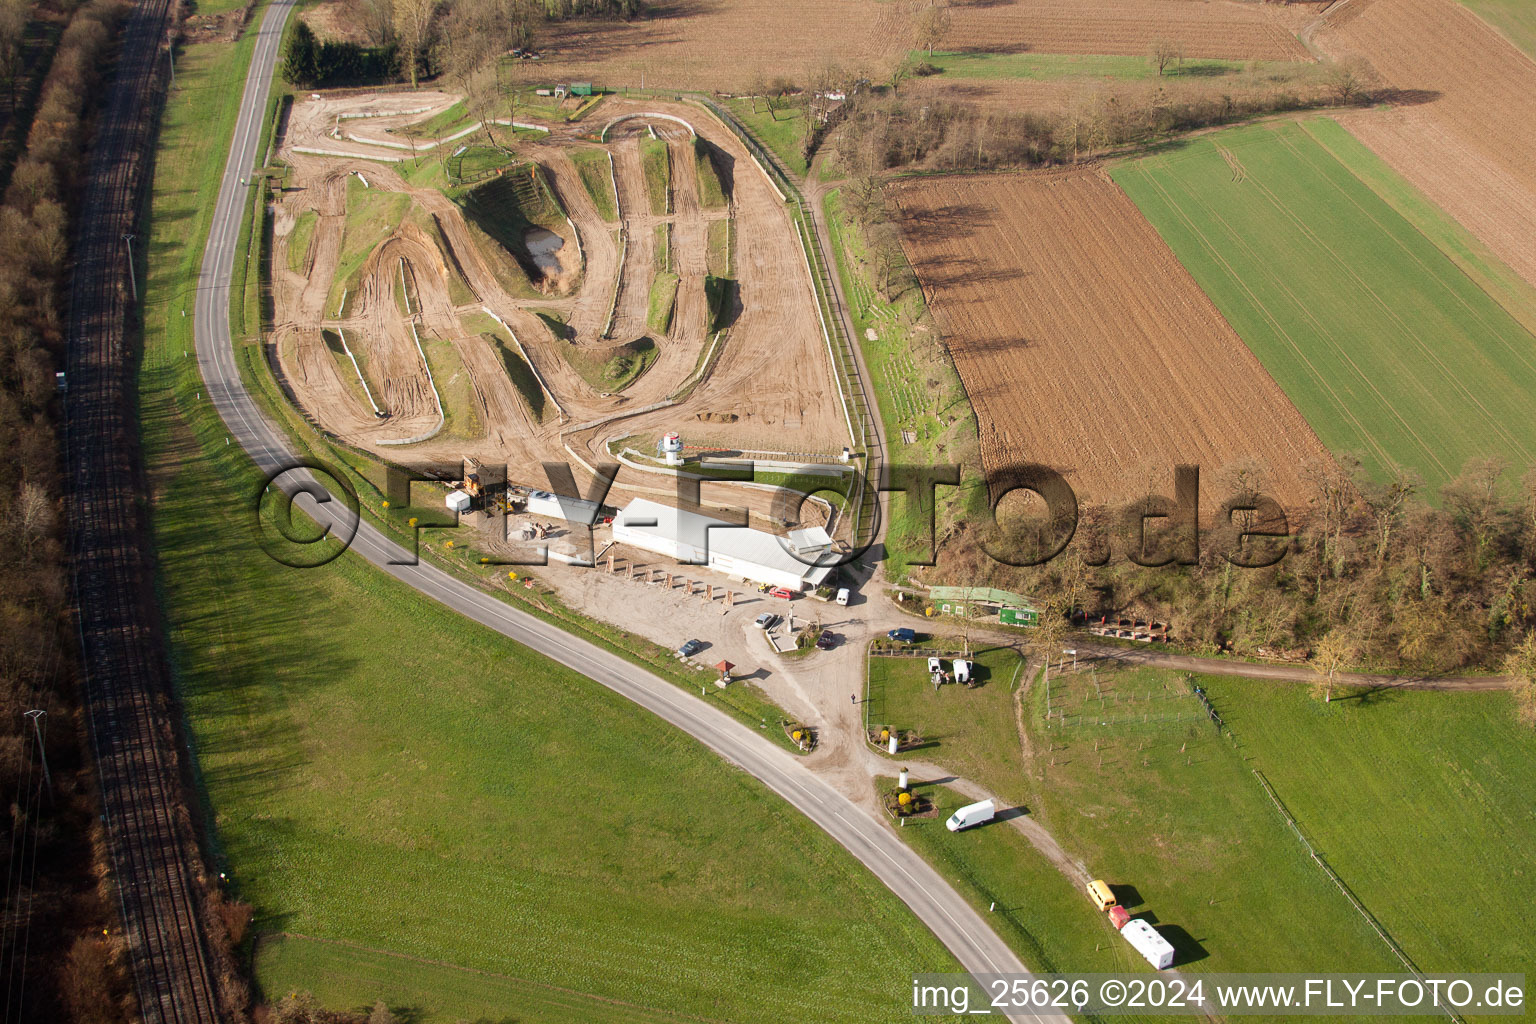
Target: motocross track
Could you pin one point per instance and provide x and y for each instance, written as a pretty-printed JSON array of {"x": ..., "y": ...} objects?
[
  {"x": 1084, "y": 345},
  {"x": 1464, "y": 128},
  {"x": 770, "y": 390}
]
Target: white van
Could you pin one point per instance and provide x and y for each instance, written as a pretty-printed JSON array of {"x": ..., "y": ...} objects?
[
  {"x": 934, "y": 666},
  {"x": 962, "y": 670},
  {"x": 842, "y": 596},
  {"x": 971, "y": 814}
]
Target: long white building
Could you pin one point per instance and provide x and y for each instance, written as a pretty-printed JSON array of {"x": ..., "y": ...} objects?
[{"x": 697, "y": 539}]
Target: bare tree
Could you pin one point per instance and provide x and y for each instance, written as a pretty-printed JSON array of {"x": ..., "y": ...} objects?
[
  {"x": 1349, "y": 79},
  {"x": 413, "y": 28},
  {"x": 1520, "y": 664},
  {"x": 1334, "y": 653},
  {"x": 1166, "y": 52},
  {"x": 13, "y": 29},
  {"x": 931, "y": 26}
]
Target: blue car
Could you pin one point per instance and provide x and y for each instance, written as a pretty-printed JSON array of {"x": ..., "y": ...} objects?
[
  {"x": 904, "y": 635},
  {"x": 690, "y": 648}
]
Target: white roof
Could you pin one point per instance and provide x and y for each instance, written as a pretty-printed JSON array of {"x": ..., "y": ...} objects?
[
  {"x": 706, "y": 533},
  {"x": 810, "y": 540}
]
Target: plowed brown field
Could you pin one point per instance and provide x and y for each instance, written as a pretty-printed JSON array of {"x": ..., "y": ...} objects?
[
  {"x": 1232, "y": 31},
  {"x": 1467, "y": 137},
  {"x": 1084, "y": 345}
]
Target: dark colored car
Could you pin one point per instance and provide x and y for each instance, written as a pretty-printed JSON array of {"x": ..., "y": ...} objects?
[
  {"x": 826, "y": 642},
  {"x": 690, "y": 648},
  {"x": 904, "y": 635}
]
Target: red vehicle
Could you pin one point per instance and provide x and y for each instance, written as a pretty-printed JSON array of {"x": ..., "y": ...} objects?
[
  {"x": 783, "y": 592},
  {"x": 1118, "y": 916}
]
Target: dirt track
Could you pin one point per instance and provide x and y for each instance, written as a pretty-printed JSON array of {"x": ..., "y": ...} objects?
[
  {"x": 770, "y": 390},
  {"x": 1082, "y": 342},
  {"x": 1464, "y": 132}
]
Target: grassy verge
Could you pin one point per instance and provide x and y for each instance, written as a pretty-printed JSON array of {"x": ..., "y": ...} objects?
[
  {"x": 298, "y": 240},
  {"x": 1384, "y": 344},
  {"x": 596, "y": 177},
  {"x": 658, "y": 175},
  {"x": 718, "y": 255},
  {"x": 444, "y": 122},
  {"x": 611, "y": 370},
  {"x": 918, "y": 393},
  {"x": 711, "y": 191},
  {"x": 461, "y": 417},
  {"x": 540, "y": 828},
  {"x": 782, "y": 131},
  {"x": 658, "y": 314},
  {"x": 663, "y": 259}
]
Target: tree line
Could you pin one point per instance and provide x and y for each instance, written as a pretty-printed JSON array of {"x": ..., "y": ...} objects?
[
  {"x": 1375, "y": 575},
  {"x": 408, "y": 40},
  {"x": 74, "y": 969}
]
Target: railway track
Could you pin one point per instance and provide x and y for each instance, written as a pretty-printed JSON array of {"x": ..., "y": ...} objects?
[{"x": 127, "y": 683}]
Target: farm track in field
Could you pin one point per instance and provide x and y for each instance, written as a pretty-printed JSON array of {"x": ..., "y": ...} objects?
[{"x": 1082, "y": 342}]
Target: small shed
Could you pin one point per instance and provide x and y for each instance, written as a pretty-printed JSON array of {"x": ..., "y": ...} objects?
[
  {"x": 581, "y": 88},
  {"x": 457, "y": 501}
]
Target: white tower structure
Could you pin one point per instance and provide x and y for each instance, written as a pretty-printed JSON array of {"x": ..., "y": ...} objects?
[{"x": 672, "y": 448}]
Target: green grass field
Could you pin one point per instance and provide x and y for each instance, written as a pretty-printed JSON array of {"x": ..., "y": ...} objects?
[
  {"x": 1514, "y": 19},
  {"x": 1386, "y": 346},
  {"x": 597, "y": 178},
  {"x": 972, "y": 731},
  {"x": 392, "y": 776},
  {"x": 1421, "y": 801},
  {"x": 658, "y": 175},
  {"x": 1043, "y": 67},
  {"x": 1137, "y": 782}
]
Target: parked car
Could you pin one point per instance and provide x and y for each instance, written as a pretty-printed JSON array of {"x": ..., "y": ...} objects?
[
  {"x": 767, "y": 620},
  {"x": 826, "y": 641},
  {"x": 783, "y": 592},
  {"x": 689, "y": 649},
  {"x": 904, "y": 635},
  {"x": 842, "y": 596}
]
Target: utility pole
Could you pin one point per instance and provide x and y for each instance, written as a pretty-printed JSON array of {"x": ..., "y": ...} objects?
[
  {"x": 36, "y": 716},
  {"x": 170, "y": 50},
  {"x": 132, "y": 280}
]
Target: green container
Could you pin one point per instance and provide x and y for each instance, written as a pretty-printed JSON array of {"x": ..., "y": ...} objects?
[
  {"x": 581, "y": 88},
  {"x": 1019, "y": 617}
]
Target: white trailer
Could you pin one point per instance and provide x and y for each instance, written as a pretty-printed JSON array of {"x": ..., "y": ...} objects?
[
  {"x": 559, "y": 506},
  {"x": 1157, "y": 950},
  {"x": 962, "y": 670},
  {"x": 971, "y": 814},
  {"x": 457, "y": 501}
]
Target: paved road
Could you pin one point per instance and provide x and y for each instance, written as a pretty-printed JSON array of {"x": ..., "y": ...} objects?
[{"x": 942, "y": 909}]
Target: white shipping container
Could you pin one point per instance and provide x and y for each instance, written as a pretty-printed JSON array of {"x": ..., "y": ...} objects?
[
  {"x": 1149, "y": 943},
  {"x": 457, "y": 501}
]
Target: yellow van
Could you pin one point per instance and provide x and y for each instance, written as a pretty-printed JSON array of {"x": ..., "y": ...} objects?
[{"x": 1098, "y": 891}]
